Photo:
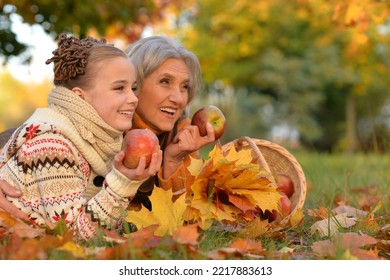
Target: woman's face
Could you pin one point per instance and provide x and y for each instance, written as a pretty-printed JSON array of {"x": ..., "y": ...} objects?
[
  {"x": 164, "y": 95},
  {"x": 112, "y": 94}
]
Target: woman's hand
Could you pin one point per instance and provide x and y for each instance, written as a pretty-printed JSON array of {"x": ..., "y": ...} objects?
[
  {"x": 5, "y": 205},
  {"x": 141, "y": 172},
  {"x": 187, "y": 141}
]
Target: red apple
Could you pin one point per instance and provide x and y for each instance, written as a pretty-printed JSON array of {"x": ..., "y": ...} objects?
[
  {"x": 285, "y": 185},
  {"x": 214, "y": 116},
  {"x": 138, "y": 143},
  {"x": 285, "y": 205},
  {"x": 284, "y": 209}
]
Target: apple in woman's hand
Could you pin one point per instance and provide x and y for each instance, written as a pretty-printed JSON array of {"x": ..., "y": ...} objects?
[
  {"x": 285, "y": 185},
  {"x": 138, "y": 143},
  {"x": 214, "y": 116}
]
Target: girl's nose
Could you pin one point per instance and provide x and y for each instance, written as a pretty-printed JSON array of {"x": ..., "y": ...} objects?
[{"x": 132, "y": 98}]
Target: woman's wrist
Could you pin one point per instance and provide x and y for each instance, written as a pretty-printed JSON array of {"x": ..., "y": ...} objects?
[{"x": 170, "y": 167}]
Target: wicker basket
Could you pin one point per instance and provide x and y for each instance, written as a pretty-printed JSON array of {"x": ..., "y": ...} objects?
[{"x": 276, "y": 160}]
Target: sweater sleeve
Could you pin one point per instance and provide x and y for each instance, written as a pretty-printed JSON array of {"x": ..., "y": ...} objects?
[{"x": 53, "y": 176}]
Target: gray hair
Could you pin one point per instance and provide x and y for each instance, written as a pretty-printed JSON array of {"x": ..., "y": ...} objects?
[{"x": 149, "y": 53}]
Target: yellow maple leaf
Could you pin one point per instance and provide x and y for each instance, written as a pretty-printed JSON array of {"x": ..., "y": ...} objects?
[
  {"x": 229, "y": 187},
  {"x": 165, "y": 213},
  {"x": 296, "y": 218},
  {"x": 216, "y": 154},
  {"x": 195, "y": 166},
  {"x": 242, "y": 157},
  {"x": 265, "y": 200}
]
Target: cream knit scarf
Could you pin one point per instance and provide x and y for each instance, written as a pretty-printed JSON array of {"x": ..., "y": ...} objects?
[
  {"x": 73, "y": 117},
  {"x": 106, "y": 140}
]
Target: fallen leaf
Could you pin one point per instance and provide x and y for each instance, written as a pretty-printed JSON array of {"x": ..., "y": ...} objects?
[
  {"x": 186, "y": 234},
  {"x": 320, "y": 213},
  {"x": 74, "y": 249},
  {"x": 349, "y": 211},
  {"x": 25, "y": 230},
  {"x": 257, "y": 228},
  {"x": 166, "y": 214},
  {"x": 6, "y": 220},
  {"x": 296, "y": 218},
  {"x": 247, "y": 246},
  {"x": 238, "y": 249},
  {"x": 330, "y": 226},
  {"x": 346, "y": 246},
  {"x": 144, "y": 237}
]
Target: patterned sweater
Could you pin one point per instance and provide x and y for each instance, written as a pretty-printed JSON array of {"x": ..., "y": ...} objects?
[{"x": 54, "y": 167}]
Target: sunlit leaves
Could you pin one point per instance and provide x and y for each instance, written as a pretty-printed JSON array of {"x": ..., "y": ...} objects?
[{"x": 229, "y": 188}]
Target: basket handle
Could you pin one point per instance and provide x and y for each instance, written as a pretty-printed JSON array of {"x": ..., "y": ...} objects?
[{"x": 260, "y": 158}]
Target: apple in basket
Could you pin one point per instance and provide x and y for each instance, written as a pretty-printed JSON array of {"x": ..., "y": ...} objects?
[
  {"x": 214, "y": 116},
  {"x": 285, "y": 184},
  {"x": 285, "y": 209},
  {"x": 139, "y": 143}
]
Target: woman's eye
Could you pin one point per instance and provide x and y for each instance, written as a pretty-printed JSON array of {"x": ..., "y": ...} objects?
[{"x": 164, "y": 81}]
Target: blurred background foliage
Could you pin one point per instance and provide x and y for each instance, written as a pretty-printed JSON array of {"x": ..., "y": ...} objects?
[{"x": 304, "y": 73}]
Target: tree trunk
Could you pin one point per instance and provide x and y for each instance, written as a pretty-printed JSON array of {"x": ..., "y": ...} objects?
[{"x": 350, "y": 109}]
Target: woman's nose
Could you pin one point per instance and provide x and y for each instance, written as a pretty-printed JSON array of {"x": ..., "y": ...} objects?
[{"x": 176, "y": 95}]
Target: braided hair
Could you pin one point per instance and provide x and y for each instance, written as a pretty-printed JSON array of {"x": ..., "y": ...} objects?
[{"x": 74, "y": 60}]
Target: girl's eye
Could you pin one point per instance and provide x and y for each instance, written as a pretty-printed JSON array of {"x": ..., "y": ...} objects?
[{"x": 119, "y": 88}]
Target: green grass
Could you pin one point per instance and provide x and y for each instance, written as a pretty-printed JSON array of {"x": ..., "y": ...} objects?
[
  {"x": 334, "y": 175},
  {"x": 356, "y": 180}
]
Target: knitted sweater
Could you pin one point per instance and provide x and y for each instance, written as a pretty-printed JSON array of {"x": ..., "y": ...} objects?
[{"x": 53, "y": 166}]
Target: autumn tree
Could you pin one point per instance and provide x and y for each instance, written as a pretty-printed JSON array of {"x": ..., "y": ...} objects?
[
  {"x": 122, "y": 18},
  {"x": 316, "y": 60}
]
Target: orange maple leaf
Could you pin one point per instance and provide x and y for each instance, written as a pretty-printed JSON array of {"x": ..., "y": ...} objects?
[{"x": 186, "y": 234}]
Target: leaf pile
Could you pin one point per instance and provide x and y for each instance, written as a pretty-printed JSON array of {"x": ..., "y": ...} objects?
[
  {"x": 219, "y": 217},
  {"x": 228, "y": 188}
]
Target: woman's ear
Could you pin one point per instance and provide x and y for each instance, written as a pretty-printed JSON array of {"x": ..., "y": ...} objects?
[{"x": 78, "y": 91}]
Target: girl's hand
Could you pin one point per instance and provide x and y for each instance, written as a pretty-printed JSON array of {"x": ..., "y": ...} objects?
[
  {"x": 5, "y": 205},
  {"x": 141, "y": 172}
]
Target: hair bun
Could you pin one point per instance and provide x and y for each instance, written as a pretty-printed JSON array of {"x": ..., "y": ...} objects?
[{"x": 71, "y": 56}]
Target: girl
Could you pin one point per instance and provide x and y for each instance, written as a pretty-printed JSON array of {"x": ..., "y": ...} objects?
[{"x": 74, "y": 145}]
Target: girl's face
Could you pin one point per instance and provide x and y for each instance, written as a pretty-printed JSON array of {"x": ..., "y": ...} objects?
[
  {"x": 112, "y": 94},
  {"x": 164, "y": 95}
]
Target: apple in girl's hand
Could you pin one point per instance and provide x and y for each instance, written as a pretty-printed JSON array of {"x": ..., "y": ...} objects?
[
  {"x": 214, "y": 116},
  {"x": 285, "y": 185},
  {"x": 138, "y": 143}
]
